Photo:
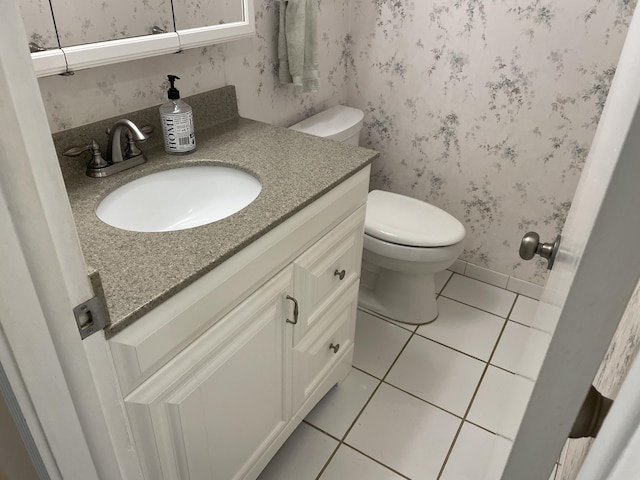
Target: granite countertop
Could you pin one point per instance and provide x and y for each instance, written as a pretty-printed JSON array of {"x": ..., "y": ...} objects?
[{"x": 139, "y": 271}]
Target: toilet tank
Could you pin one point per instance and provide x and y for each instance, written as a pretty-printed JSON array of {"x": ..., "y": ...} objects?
[{"x": 338, "y": 123}]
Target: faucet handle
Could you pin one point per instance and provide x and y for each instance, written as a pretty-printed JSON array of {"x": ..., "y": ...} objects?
[
  {"x": 96, "y": 162},
  {"x": 131, "y": 149},
  {"x": 147, "y": 129},
  {"x": 77, "y": 150}
]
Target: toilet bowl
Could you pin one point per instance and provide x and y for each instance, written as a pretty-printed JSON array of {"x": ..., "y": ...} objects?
[{"x": 406, "y": 241}]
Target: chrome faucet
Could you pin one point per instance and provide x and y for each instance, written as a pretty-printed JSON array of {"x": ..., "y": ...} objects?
[
  {"x": 118, "y": 158},
  {"x": 115, "y": 151}
]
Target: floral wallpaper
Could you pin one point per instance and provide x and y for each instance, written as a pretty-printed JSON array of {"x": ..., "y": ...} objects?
[{"x": 486, "y": 108}]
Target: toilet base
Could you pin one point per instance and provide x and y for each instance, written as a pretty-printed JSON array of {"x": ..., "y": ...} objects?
[{"x": 404, "y": 298}]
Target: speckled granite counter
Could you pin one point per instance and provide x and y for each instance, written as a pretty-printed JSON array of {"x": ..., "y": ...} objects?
[{"x": 138, "y": 271}]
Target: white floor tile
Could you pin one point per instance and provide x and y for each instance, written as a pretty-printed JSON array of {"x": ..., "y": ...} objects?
[
  {"x": 525, "y": 288},
  {"x": 441, "y": 278},
  {"x": 524, "y": 310},
  {"x": 521, "y": 350},
  {"x": 336, "y": 412},
  {"x": 437, "y": 374},
  {"x": 500, "y": 402},
  {"x": 301, "y": 457},
  {"x": 348, "y": 464},
  {"x": 481, "y": 295},
  {"x": 405, "y": 433},
  {"x": 499, "y": 458},
  {"x": 477, "y": 455},
  {"x": 464, "y": 328},
  {"x": 546, "y": 317},
  {"x": 510, "y": 347},
  {"x": 377, "y": 344}
]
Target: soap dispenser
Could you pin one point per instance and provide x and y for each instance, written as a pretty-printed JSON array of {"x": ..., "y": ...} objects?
[{"x": 176, "y": 118}]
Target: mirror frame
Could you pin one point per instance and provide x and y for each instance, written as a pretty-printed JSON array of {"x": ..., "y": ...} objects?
[{"x": 66, "y": 60}]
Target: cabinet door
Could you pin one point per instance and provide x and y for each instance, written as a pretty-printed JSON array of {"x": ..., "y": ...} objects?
[{"x": 212, "y": 411}]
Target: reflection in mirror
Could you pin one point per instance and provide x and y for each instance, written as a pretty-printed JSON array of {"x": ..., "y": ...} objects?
[
  {"x": 88, "y": 21},
  {"x": 38, "y": 22},
  {"x": 203, "y": 13}
]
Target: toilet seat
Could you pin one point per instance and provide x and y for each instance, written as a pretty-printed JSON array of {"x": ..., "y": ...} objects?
[{"x": 406, "y": 221}]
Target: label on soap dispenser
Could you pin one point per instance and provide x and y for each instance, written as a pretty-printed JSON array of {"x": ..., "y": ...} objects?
[{"x": 179, "y": 136}]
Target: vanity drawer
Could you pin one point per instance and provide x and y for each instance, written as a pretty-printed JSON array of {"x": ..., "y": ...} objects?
[
  {"x": 324, "y": 347},
  {"x": 326, "y": 269}
]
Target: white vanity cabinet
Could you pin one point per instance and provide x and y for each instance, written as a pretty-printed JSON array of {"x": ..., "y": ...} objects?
[
  {"x": 216, "y": 378},
  {"x": 211, "y": 411}
]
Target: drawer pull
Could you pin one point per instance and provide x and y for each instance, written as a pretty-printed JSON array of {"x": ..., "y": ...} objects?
[
  {"x": 295, "y": 310},
  {"x": 340, "y": 273},
  {"x": 335, "y": 347}
]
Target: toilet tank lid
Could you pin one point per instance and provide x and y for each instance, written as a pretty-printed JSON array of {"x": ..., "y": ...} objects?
[
  {"x": 338, "y": 123},
  {"x": 407, "y": 221}
]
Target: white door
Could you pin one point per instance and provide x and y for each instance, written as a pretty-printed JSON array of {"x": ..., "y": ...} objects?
[
  {"x": 52, "y": 373},
  {"x": 594, "y": 275}
]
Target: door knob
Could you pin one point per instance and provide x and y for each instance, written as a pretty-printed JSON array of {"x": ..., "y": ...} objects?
[{"x": 531, "y": 246}]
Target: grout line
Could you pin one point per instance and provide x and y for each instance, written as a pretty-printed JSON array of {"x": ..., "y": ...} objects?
[
  {"x": 478, "y": 308},
  {"x": 523, "y": 324},
  {"x": 402, "y": 325},
  {"x": 342, "y": 440},
  {"x": 451, "y": 348},
  {"x": 482, "y": 281},
  {"x": 475, "y": 393},
  {"x": 463, "y": 419},
  {"x": 320, "y": 430},
  {"x": 377, "y": 461},
  {"x": 423, "y": 400},
  {"x": 445, "y": 283},
  {"x": 464, "y": 274}
]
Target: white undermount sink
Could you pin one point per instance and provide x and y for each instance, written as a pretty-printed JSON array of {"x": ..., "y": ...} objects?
[{"x": 178, "y": 199}]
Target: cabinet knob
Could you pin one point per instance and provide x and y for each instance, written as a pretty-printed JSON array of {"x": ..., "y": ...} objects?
[
  {"x": 335, "y": 347},
  {"x": 340, "y": 273},
  {"x": 295, "y": 310}
]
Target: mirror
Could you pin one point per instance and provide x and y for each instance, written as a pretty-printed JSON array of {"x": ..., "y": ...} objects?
[
  {"x": 89, "y": 21},
  {"x": 38, "y": 22},
  {"x": 196, "y": 14},
  {"x": 92, "y": 33}
]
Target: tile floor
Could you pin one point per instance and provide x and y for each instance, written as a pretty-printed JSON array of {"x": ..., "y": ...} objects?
[{"x": 422, "y": 403}]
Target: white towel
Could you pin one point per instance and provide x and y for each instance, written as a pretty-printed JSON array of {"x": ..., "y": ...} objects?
[{"x": 297, "y": 45}]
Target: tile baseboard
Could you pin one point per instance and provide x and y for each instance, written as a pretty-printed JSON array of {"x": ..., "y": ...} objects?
[
  {"x": 458, "y": 266},
  {"x": 497, "y": 279},
  {"x": 485, "y": 275}
]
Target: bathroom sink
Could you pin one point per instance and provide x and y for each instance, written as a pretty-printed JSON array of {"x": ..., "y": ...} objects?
[{"x": 179, "y": 199}]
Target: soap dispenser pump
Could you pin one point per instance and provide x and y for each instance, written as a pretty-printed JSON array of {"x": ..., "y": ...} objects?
[{"x": 176, "y": 118}]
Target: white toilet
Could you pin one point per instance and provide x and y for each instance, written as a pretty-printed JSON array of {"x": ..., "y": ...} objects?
[{"x": 406, "y": 241}]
